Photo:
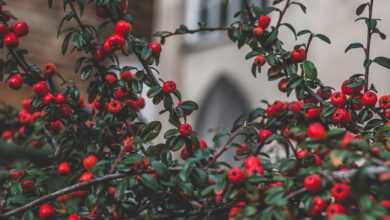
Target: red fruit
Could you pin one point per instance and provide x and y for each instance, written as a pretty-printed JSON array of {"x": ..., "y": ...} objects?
[
  {"x": 155, "y": 47},
  {"x": 298, "y": 55},
  {"x": 202, "y": 144},
  {"x": 128, "y": 144},
  {"x": 111, "y": 191},
  {"x": 56, "y": 125},
  {"x": 114, "y": 106},
  {"x": 318, "y": 206},
  {"x": 346, "y": 89},
  {"x": 66, "y": 110},
  {"x": 324, "y": 92},
  {"x": 258, "y": 31},
  {"x": 348, "y": 137},
  {"x": 185, "y": 129},
  {"x": 369, "y": 98},
  {"x": 15, "y": 174},
  {"x": 26, "y": 104},
  {"x": 46, "y": 211},
  {"x": 89, "y": 162},
  {"x": 59, "y": 98},
  {"x": 283, "y": 85},
  {"x": 99, "y": 54},
  {"x": 25, "y": 118},
  {"x": 301, "y": 154},
  {"x": 127, "y": 75},
  {"x": 235, "y": 209},
  {"x": 49, "y": 70},
  {"x": 263, "y": 21},
  {"x": 3, "y": 28},
  {"x": 253, "y": 166},
  {"x": 316, "y": 131},
  {"x": 119, "y": 93},
  {"x": 295, "y": 106},
  {"x": 169, "y": 87},
  {"x": 86, "y": 176},
  {"x": 47, "y": 99},
  {"x": 184, "y": 154},
  {"x": 15, "y": 81},
  {"x": 338, "y": 99},
  {"x": 73, "y": 216},
  {"x": 110, "y": 79},
  {"x": 384, "y": 102},
  {"x": 7, "y": 134},
  {"x": 340, "y": 115},
  {"x": 312, "y": 113},
  {"x": 242, "y": 149},
  {"x": 340, "y": 191},
  {"x": 113, "y": 42},
  {"x": 63, "y": 168},
  {"x": 317, "y": 159},
  {"x": 264, "y": 134},
  {"x": 235, "y": 175},
  {"x": 140, "y": 103},
  {"x": 260, "y": 60},
  {"x": 313, "y": 183},
  {"x": 11, "y": 40},
  {"x": 335, "y": 209},
  {"x": 123, "y": 28},
  {"x": 40, "y": 88},
  {"x": 276, "y": 109},
  {"x": 387, "y": 114},
  {"x": 28, "y": 185},
  {"x": 20, "y": 28}
]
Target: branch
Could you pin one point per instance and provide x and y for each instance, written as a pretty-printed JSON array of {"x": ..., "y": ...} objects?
[
  {"x": 78, "y": 20},
  {"x": 248, "y": 8},
  {"x": 368, "y": 48},
  {"x": 282, "y": 14},
  {"x": 193, "y": 31}
]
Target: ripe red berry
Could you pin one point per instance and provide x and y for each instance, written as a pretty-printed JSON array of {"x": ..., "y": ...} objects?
[
  {"x": 258, "y": 32},
  {"x": 340, "y": 191},
  {"x": 89, "y": 162},
  {"x": 26, "y": 104},
  {"x": 47, "y": 99},
  {"x": 99, "y": 54},
  {"x": 348, "y": 137},
  {"x": 11, "y": 40},
  {"x": 155, "y": 47},
  {"x": 127, "y": 76},
  {"x": 260, "y": 60},
  {"x": 86, "y": 176},
  {"x": 264, "y": 134},
  {"x": 3, "y": 28},
  {"x": 46, "y": 211},
  {"x": 263, "y": 21},
  {"x": 49, "y": 70},
  {"x": 335, "y": 209},
  {"x": 112, "y": 43},
  {"x": 7, "y": 134},
  {"x": 313, "y": 183},
  {"x": 301, "y": 154},
  {"x": 119, "y": 93},
  {"x": 73, "y": 216},
  {"x": 185, "y": 129},
  {"x": 111, "y": 191},
  {"x": 184, "y": 154},
  {"x": 28, "y": 185},
  {"x": 253, "y": 166},
  {"x": 169, "y": 87},
  {"x": 298, "y": 55},
  {"x": 369, "y": 98},
  {"x": 384, "y": 102},
  {"x": 312, "y": 113},
  {"x": 128, "y": 144},
  {"x": 110, "y": 79},
  {"x": 202, "y": 144},
  {"x": 15, "y": 81},
  {"x": 59, "y": 98},
  {"x": 295, "y": 106},
  {"x": 316, "y": 131},
  {"x": 56, "y": 125},
  {"x": 283, "y": 85},
  {"x": 123, "y": 28},
  {"x": 235, "y": 175},
  {"x": 318, "y": 206},
  {"x": 20, "y": 28},
  {"x": 349, "y": 90},
  {"x": 63, "y": 168},
  {"x": 114, "y": 106},
  {"x": 40, "y": 88},
  {"x": 340, "y": 116},
  {"x": 338, "y": 99}
]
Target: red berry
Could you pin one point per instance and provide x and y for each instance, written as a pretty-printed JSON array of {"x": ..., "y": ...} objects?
[
  {"x": 7, "y": 134},
  {"x": 264, "y": 134},
  {"x": 56, "y": 125},
  {"x": 127, "y": 75},
  {"x": 253, "y": 166},
  {"x": 184, "y": 154},
  {"x": 263, "y": 21},
  {"x": 318, "y": 206},
  {"x": 185, "y": 129},
  {"x": 49, "y": 70},
  {"x": 73, "y": 216},
  {"x": 338, "y": 99},
  {"x": 99, "y": 54},
  {"x": 110, "y": 78},
  {"x": 40, "y": 88},
  {"x": 86, "y": 176},
  {"x": 114, "y": 106},
  {"x": 283, "y": 85},
  {"x": 335, "y": 209},
  {"x": 348, "y": 137},
  {"x": 25, "y": 118},
  {"x": 123, "y": 28},
  {"x": 111, "y": 191},
  {"x": 89, "y": 162},
  {"x": 128, "y": 144},
  {"x": 349, "y": 90},
  {"x": 312, "y": 113},
  {"x": 260, "y": 60},
  {"x": 26, "y": 104},
  {"x": 313, "y": 183},
  {"x": 295, "y": 106},
  {"x": 202, "y": 144},
  {"x": 112, "y": 43},
  {"x": 258, "y": 32},
  {"x": 369, "y": 98},
  {"x": 340, "y": 191},
  {"x": 11, "y": 40},
  {"x": 301, "y": 154},
  {"x": 47, "y": 99},
  {"x": 3, "y": 28},
  {"x": 298, "y": 55},
  {"x": 15, "y": 81},
  {"x": 15, "y": 174},
  {"x": 155, "y": 47},
  {"x": 20, "y": 28},
  {"x": 169, "y": 87},
  {"x": 384, "y": 102},
  {"x": 59, "y": 98},
  {"x": 235, "y": 175},
  {"x": 316, "y": 131},
  {"x": 119, "y": 93},
  {"x": 46, "y": 211},
  {"x": 340, "y": 116},
  {"x": 324, "y": 92},
  {"x": 63, "y": 168},
  {"x": 28, "y": 185}
]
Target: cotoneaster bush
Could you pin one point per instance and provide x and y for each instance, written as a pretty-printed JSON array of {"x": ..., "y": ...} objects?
[{"x": 104, "y": 161}]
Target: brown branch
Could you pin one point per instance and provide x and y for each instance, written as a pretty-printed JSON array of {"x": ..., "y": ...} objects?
[
  {"x": 226, "y": 145},
  {"x": 193, "y": 31},
  {"x": 282, "y": 13},
  {"x": 368, "y": 48}
]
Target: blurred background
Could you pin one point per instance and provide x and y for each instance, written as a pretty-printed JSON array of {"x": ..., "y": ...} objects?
[{"x": 207, "y": 67}]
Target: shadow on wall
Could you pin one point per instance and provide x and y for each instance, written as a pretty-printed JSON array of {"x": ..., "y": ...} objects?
[{"x": 222, "y": 104}]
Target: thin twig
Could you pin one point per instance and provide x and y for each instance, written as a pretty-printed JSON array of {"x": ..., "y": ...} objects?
[
  {"x": 225, "y": 146},
  {"x": 193, "y": 31},
  {"x": 368, "y": 48},
  {"x": 282, "y": 14}
]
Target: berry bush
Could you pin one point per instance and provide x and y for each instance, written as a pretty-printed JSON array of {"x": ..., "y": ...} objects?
[{"x": 104, "y": 161}]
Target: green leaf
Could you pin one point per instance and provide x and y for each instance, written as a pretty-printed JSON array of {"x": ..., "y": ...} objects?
[
  {"x": 323, "y": 38},
  {"x": 383, "y": 61},
  {"x": 353, "y": 46},
  {"x": 151, "y": 131},
  {"x": 361, "y": 8},
  {"x": 150, "y": 182},
  {"x": 65, "y": 43},
  {"x": 310, "y": 70},
  {"x": 302, "y": 6},
  {"x": 289, "y": 26},
  {"x": 160, "y": 168},
  {"x": 303, "y": 32}
]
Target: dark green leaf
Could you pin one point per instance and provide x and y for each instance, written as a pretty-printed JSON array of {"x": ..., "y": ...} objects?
[
  {"x": 353, "y": 46},
  {"x": 323, "y": 38},
  {"x": 383, "y": 61},
  {"x": 361, "y": 8},
  {"x": 310, "y": 70}
]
